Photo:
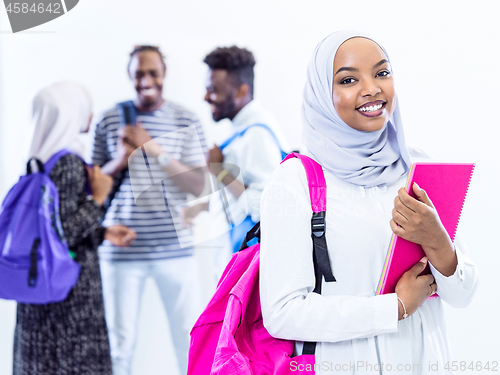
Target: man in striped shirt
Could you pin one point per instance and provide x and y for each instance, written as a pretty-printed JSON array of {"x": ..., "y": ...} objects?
[{"x": 159, "y": 176}]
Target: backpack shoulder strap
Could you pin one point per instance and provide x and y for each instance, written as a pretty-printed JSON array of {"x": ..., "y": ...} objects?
[
  {"x": 228, "y": 141},
  {"x": 128, "y": 113},
  {"x": 315, "y": 180},
  {"x": 128, "y": 116},
  {"x": 317, "y": 192},
  {"x": 241, "y": 132},
  {"x": 50, "y": 164}
]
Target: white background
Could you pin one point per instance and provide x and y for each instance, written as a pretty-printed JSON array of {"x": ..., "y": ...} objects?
[{"x": 446, "y": 64}]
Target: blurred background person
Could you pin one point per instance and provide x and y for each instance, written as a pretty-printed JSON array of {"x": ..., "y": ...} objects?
[
  {"x": 175, "y": 144},
  {"x": 235, "y": 207},
  {"x": 69, "y": 337}
]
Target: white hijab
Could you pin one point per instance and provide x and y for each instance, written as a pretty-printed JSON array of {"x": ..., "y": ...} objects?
[
  {"x": 60, "y": 112},
  {"x": 362, "y": 158}
]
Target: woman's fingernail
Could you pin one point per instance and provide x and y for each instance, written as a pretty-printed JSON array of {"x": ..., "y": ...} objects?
[{"x": 423, "y": 260}]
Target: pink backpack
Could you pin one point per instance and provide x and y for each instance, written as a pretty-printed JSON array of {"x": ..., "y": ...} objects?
[{"x": 229, "y": 336}]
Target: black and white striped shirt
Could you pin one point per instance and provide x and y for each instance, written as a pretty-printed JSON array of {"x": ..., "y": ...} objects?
[{"x": 147, "y": 200}]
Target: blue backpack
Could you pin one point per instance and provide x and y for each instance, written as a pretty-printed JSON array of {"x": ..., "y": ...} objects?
[
  {"x": 238, "y": 232},
  {"x": 35, "y": 262}
]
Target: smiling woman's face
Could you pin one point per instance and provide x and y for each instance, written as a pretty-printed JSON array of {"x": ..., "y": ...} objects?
[{"x": 363, "y": 87}]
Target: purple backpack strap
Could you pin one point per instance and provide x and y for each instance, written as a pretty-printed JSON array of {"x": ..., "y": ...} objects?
[{"x": 50, "y": 164}]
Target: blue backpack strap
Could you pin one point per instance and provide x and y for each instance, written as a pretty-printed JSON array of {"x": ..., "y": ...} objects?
[
  {"x": 240, "y": 133},
  {"x": 128, "y": 113},
  {"x": 128, "y": 116}
]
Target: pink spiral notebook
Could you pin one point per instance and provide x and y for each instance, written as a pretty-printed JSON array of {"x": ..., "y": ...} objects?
[{"x": 446, "y": 185}]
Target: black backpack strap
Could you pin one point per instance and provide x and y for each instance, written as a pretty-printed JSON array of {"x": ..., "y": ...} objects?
[
  {"x": 39, "y": 164},
  {"x": 320, "y": 255},
  {"x": 251, "y": 234},
  {"x": 33, "y": 270},
  {"x": 321, "y": 262}
]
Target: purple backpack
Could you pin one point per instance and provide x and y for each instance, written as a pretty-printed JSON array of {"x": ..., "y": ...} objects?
[
  {"x": 35, "y": 263},
  {"x": 229, "y": 337}
]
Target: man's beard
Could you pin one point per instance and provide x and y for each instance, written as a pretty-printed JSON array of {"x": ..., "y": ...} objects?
[{"x": 225, "y": 109}]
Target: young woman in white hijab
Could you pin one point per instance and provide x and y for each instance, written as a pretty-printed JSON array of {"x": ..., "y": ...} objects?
[
  {"x": 352, "y": 127},
  {"x": 69, "y": 337}
]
